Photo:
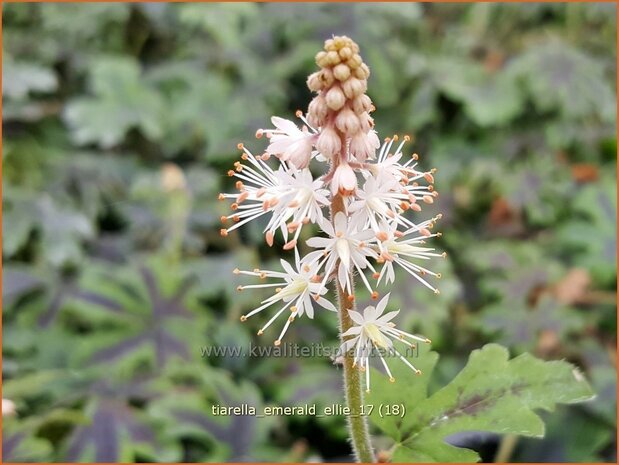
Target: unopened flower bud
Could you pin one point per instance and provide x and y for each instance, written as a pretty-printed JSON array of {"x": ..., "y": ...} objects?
[
  {"x": 366, "y": 70},
  {"x": 361, "y": 73},
  {"x": 366, "y": 121},
  {"x": 321, "y": 59},
  {"x": 340, "y": 42},
  {"x": 326, "y": 77},
  {"x": 341, "y": 72},
  {"x": 353, "y": 87},
  {"x": 344, "y": 180},
  {"x": 333, "y": 58},
  {"x": 317, "y": 111},
  {"x": 354, "y": 62},
  {"x": 335, "y": 98},
  {"x": 313, "y": 82},
  {"x": 361, "y": 103},
  {"x": 345, "y": 53},
  {"x": 364, "y": 145},
  {"x": 329, "y": 143},
  {"x": 347, "y": 122}
]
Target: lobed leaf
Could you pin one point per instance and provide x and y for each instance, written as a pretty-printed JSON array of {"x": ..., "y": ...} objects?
[{"x": 491, "y": 393}]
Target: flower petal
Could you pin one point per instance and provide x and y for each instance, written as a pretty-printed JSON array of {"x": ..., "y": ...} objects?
[{"x": 356, "y": 317}]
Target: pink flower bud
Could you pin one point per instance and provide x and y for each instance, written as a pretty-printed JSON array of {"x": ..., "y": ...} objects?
[
  {"x": 361, "y": 103},
  {"x": 335, "y": 98},
  {"x": 341, "y": 72},
  {"x": 326, "y": 77},
  {"x": 353, "y": 87},
  {"x": 313, "y": 82},
  {"x": 347, "y": 122},
  {"x": 366, "y": 121},
  {"x": 317, "y": 111},
  {"x": 364, "y": 145},
  {"x": 344, "y": 180},
  {"x": 329, "y": 143}
]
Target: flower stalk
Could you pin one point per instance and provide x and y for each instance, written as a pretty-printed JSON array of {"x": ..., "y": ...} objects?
[{"x": 357, "y": 423}]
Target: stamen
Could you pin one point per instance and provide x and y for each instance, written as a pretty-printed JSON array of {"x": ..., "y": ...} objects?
[
  {"x": 290, "y": 245},
  {"x": 382, "y": 236}
]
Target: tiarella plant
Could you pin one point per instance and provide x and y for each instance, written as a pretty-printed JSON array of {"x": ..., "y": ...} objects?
[{"x": 367, "y": 203}]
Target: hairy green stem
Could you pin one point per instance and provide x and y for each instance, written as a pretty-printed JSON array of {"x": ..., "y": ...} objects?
[{"x": 357, "y": 423}]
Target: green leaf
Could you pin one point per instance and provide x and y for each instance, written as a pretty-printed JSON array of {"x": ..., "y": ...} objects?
[
  {"x": 491, "y": 393},
  {"x": 522, "y": 325},
  {"x": 422, "y": 107},
  {"x": 593, "y": 232},
  {"x": 121, "y": 102},
  {"x": 489, "y": 99},
  {"x": 560, "y": 77},
  {"x": 21, "y": 78}
]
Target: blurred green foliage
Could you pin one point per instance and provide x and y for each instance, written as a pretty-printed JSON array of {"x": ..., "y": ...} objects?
[{"x": 115, "y": 275}]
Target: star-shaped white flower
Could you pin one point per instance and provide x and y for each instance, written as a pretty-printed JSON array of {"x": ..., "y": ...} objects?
[
  {"x": 289, "y": 143},
  {"x": 344, "y": 250},
  {"x": 388, "y": 164},
  {"x": 291, "y": 196},
  {"x": 373, "y": 331},
  {"x": 297, "y": 288},
  {"x": 406, "y": 249}
]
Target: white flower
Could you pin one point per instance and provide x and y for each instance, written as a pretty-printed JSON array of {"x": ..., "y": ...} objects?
[
  {"x": 373, "y": 330},
  {"x": 380, "y": 200},
  {"x": 296, "y": 288},
  {"x": 388, "y": 164},
  {"x": 289, "y": 143},
  {"x": 398, "y": 248},
  {"x": 291, "y": 196},
  {"x": 345, "y": 248}
]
